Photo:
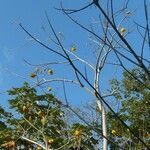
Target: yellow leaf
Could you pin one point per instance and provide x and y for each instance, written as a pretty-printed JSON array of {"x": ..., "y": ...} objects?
[
  {"x": 24, "y": 109},
  {"x": 8, "y": 144},
  {"x": 30, "y": 118},
  {"x": 50, "y": 141},
  {"x": 113, "y": 132},
  {"x": 77, "y": 133},
  {"x": 43, "y": 120},
  {"x": 39, "y": 148}
]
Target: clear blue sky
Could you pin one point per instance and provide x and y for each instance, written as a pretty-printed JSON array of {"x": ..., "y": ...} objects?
[{"x": 15, "y": 45}]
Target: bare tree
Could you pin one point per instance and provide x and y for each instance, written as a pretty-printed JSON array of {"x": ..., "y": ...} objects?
[{"x": 112, "y": 41}]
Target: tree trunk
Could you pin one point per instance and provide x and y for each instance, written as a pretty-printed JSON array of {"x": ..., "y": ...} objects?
[{"x": 104, "y": 127}]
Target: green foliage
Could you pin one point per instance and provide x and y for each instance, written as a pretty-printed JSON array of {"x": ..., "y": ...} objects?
[
  {"x": 134, "y": 98},
  {"x": 82, "y": 136},
  {"x": 40, "y": 118}
]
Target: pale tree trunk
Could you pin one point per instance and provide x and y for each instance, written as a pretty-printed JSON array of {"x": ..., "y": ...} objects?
[
  {"x": 101, "y": 109},
  {"x": 104, "y": 124},
  {"x": 104, "y": 128},
  {"x": 100, "y": 64}
]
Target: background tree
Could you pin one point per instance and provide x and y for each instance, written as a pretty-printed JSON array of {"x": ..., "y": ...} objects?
[
  {"x": 133, "y": 107},
  {"x": 39, "y": 123}
]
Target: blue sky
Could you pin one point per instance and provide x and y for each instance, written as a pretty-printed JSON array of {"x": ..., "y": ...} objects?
[{"x": 15, "y": 45}]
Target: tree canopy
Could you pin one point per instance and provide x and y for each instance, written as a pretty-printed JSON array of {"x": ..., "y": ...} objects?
[
  {"x": 133, "y": 99},
  {"x": 38, "y": 122}
]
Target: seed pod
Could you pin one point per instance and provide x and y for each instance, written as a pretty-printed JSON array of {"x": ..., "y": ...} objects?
[
  {"x": 123, "y": 30},
  {"x": 73, "y": 48},
  {"x": 50, "y": 72},
  {"x": 37, "y": 69},
  {"x": 49, "y": 89},
  {"x": 32, "y": 75}
]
